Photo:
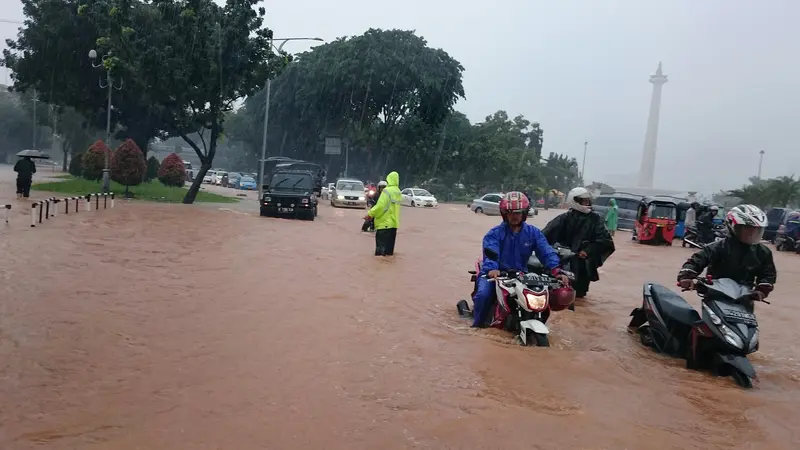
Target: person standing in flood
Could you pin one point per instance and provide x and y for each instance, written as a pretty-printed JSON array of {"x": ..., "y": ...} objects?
[
  {"x": 612, "y": 216},
  {"x": 386, "y": 213},
  {"x": 25, "y": 169}
]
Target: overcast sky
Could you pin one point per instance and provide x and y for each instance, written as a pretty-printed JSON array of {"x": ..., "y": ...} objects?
[{"x": 581, "y": 69}]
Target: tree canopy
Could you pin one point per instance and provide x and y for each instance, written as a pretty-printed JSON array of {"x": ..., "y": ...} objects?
[{"x": 778, "y": 192}]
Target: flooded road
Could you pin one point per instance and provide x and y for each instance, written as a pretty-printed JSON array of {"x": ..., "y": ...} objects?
[{"x": 183, "y": 327}]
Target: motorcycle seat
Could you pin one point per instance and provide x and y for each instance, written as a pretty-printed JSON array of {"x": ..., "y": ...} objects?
[{"x": 672, "y": 306}]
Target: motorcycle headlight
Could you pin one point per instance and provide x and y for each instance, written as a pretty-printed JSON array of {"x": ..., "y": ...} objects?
[
  {"x": 535, "y": 302},
  {"x": 731, "y": 337},
  {"x": 714, "y": 318},
  {"x": 754, "y": 341}
]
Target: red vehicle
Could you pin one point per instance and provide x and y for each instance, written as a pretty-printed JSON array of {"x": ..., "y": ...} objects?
[{"x": 656, "y": 220}]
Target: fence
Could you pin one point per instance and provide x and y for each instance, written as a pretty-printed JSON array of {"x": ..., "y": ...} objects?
[{"x": 48, "y": 208}]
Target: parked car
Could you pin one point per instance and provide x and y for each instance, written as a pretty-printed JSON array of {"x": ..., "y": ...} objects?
[
  {"x": 233, "y": 179},
  {"x": 218, "y": 178},
  {"x": 418, "y": 198},
  {"x": 775, "y": 218},
  {"x": 348, "y": 193},
  {"x": 209, "y": 176},
  {"x": 489, "y": 204},
  {"x": 628, "y": 204},
  {"x": 246, "y": 184}
]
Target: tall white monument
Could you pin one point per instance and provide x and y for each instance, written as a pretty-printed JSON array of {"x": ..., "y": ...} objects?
[{"x": 651, "y": 138}]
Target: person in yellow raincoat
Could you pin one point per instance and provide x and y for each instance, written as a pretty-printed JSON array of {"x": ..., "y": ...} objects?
[{"x": 386, "y": 213}]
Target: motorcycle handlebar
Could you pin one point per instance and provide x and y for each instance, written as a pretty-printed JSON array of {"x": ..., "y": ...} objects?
[{"x": 703, "y": 281}]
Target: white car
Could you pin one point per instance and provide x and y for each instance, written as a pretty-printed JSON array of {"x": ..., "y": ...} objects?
[
  {"x": 209, "y": 176},
  {"x": 218, "y": 178},
  {"x": 418, "y": 198},
  {"x": 348, "y": 193}
]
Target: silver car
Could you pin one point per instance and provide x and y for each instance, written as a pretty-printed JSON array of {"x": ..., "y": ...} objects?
[
  {"x": 348, "y": 193},
  {"x": 489, "y": 204}
]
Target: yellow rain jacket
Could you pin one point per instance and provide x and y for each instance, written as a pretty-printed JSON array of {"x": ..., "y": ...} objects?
[{"x": 387, "y": 211}]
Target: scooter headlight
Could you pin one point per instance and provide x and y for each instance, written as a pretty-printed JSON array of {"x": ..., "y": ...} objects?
[
  {"x": 754, "y": 341},
  {"x": 536, "y": 302},
  {"x": 711, "y": 315},
  {"x": 731, "y": 337}
]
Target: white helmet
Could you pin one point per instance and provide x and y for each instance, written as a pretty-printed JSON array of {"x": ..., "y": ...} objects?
[
  {"x": 574, "y": 200},
  {"x": 747, "y": 223},
  {"x": 382, "y": 184}
]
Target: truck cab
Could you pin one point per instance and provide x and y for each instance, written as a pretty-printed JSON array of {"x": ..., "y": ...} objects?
[{"x": 290, "y": 193}]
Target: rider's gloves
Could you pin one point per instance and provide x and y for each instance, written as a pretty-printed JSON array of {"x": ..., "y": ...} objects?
[{"x": 764, "y": 289}]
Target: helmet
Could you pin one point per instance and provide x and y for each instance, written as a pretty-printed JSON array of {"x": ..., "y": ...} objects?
[
  {"x": 574, "y": 200},
  {"x": 561, "y": 298},
  {"x": 715, "y": 208},
  {"x": 514, "y": 202},
  {"x": 695, "y": 206},
  {"x": 382, "y": 184},
  {"x": 747, "y": 223}
]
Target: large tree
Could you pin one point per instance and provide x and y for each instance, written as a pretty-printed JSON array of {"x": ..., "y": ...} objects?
[{"x": 50, "y": 55}]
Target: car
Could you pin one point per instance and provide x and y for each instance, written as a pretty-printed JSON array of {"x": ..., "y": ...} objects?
[
  {"x": 326, "y": 191},
  {"x": 246, "y": 184},
  {"x": 348, "y": 193},
  {"x": 209, "y": 176},
  {"x": 218, "y": 178},
  {"x": 489, "y": 204},
  {"x": 627, "y": 204},
  {"x": 289, "y": 193},
  {"x": 418, "y": 198},
  {"x": 775, "y": 218},
  {"x": 233, "y": 179}
]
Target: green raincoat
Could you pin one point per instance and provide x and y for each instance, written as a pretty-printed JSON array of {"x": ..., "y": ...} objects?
[
  {"x": 612, "y": 215},
  {"x": 386, "y": 211}
]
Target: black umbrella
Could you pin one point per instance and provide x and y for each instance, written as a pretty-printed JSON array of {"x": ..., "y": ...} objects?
[{"x": 33, "y": 154}]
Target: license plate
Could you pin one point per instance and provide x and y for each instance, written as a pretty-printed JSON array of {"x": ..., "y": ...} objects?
[
  {"x": 351, "y": 203},
  {"x": 285, "y": 209}
]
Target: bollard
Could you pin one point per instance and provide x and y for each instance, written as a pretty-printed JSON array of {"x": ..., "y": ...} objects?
[
  {"x": 33, "y": 214},
  {"x": 41, "y": 211},
  {"x": 8, "y": 211},
  {"x": 105, "y": 200},
  {"x": 47, "y": 209},
  {"x": 88, "y": 202},
  {"x": 112, "y": 199},
  {"x": 96, "y": 202},
  {"x": 77, "y": 202}
]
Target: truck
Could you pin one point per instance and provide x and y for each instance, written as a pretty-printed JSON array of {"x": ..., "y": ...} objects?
[
  {"x": 274, "y": 163},
  {"x": 290, "y": 193}
]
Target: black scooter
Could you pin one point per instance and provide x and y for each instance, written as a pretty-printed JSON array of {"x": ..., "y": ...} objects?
[
  {"x": 369, "y": 224},
  {"x": 720, "y": 340}
]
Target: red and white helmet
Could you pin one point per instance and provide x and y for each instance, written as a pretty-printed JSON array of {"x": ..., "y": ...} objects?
[
  {"x": 514, "y": 202},
  {"x": 747, "y": 223}
]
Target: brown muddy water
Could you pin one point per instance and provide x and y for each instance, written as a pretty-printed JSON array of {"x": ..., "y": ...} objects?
[{"x": 175, "y": 327}]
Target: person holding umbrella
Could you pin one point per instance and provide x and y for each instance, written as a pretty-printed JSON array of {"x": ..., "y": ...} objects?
[{"x": 25, "y": 169}]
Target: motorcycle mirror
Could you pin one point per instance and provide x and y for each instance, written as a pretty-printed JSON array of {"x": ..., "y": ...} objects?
[{"x": 490, "y": 254}]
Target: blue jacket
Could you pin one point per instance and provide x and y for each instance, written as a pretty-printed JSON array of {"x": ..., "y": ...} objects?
[{"x": 515, "y": 248}]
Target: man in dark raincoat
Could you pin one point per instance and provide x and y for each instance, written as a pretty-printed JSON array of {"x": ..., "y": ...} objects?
[
  {"x": 25, "y": 169},
  {"x": 585, "y": 233}
]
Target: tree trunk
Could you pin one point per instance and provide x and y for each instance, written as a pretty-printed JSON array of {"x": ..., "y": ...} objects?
[
  {"x": 65, "y": 151},
  {"x": 191, "y": 194}
]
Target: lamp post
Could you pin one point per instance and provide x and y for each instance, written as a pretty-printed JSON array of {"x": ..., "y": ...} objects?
[
  {"x": 266, "y": 113},
  {"x": 583, "y": 164},
  {"x": 110, "y": 86},
  {"x": 760, "y": 160}
]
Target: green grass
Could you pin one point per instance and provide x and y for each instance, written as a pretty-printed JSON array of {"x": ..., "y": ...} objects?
[{"x": 152, "y": 191}]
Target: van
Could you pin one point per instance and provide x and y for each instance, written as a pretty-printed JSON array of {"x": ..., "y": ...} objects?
[{"x": 627, "y": 204}]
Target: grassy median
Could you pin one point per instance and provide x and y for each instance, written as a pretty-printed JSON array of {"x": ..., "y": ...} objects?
[{"x": 152, "y": 191}]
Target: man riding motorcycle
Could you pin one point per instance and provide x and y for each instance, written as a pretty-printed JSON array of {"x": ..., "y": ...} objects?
[
  {"x": 705, "y": 223},
  {"x": 514, "y": 241},
  {"x": 585, "y": 233},
  {"x": 369, "y": 223},
  {"x": 741, "y": 256}
]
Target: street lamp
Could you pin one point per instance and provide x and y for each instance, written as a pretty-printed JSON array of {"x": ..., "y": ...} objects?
[
  {"x": 266, "y": 112},
  {"x": 110, "y": 86}
]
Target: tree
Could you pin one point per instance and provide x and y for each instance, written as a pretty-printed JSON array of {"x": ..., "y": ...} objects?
[
  {"x": 127, "y": 165},
  {"x": 213, "y": 55},
  {"x": 50, "y": 55},
  {"x": 172, "y": 171},
  {"x": 778, "y": 192},
  {"x": 94, "y": 160},
  {"x": 76, "y": 165}
]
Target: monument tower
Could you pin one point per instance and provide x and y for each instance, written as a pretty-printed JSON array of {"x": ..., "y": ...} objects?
[{"x": 651, "y": 137}]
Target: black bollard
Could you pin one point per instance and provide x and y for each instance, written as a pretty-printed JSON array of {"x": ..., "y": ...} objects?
[
  {"x": 96, "y": 201},
  {"x": 105, "y": 200},
  {"x": 41, "y": 211},
  {"x": 47, "y": 209}
]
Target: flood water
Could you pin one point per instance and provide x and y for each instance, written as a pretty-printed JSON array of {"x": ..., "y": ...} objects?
[{"x": 187, "y": 327}]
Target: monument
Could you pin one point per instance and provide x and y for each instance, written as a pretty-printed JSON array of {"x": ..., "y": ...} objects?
[{"x": 647, "y": 171}]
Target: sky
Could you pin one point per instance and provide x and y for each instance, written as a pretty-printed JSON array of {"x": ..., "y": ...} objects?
[{"x": 581, "y": 68}]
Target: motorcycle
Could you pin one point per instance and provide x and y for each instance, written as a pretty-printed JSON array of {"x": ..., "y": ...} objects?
[
  {"x": 786, "y": 241},
  {"x": 692, "y": 236},
  {"x": 369, "y": 224},
  {"x": 720, "y": 340},
  {"x": 523, "y": 300}
]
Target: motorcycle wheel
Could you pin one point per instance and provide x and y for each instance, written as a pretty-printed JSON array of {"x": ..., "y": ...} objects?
[
  {"x": 536, "y": 340},
  {"x": 683, "y": 243},
  {"x": 742, "y": 379}
]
